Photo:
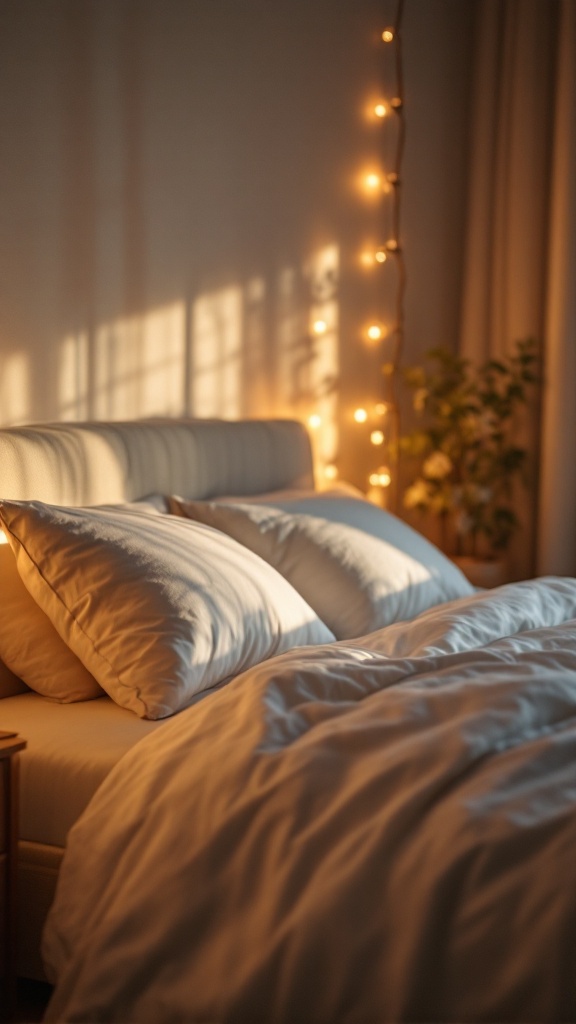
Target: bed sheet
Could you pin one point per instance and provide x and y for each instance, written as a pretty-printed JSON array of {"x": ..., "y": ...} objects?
[
  {"x": 71, "y": 748},
  {"x": 377, "y": 830}
]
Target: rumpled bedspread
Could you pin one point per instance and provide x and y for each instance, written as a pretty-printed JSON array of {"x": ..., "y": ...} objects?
[{"x": 373, "y": 831}]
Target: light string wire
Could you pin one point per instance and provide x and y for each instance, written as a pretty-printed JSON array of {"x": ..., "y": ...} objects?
[{"x": 391, "y": 369}]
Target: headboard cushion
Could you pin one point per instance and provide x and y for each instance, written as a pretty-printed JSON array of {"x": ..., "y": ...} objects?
[{"x": 100, "y": 463}]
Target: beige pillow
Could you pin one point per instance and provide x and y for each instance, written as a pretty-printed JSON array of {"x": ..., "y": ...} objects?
[
  {"x": 156, "y": 607},
  {"x": 30, "y": 646}
]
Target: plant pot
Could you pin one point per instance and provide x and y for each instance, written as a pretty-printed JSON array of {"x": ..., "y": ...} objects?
[{"x": 483, "y": 572}]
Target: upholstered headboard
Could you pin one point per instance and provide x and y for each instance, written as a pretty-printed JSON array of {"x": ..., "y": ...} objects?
[{"x": 98, "y": 463}]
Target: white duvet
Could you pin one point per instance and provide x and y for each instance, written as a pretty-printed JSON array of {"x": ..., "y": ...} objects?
[{"x": 373, "y": 831}]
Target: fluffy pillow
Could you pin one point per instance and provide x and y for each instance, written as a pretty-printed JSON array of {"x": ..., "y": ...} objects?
[
  {"x": 31, "y": 647},
  {"x": 157, "y": 608},
  {"x": 357, "y": 580},
  {"x": 364, "y": 515}
]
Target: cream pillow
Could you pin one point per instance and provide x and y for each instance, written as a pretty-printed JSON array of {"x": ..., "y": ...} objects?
[
  {"x": 356, "y": 582},
  {"x": 31, "y": 647},
  {"x": 157, "y": 608}
]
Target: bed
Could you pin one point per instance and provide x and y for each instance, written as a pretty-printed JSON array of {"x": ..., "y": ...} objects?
[{"x": 300, "y": 768}]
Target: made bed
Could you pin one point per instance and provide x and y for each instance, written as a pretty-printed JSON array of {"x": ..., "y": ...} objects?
[{"x": 302, "y": 770}]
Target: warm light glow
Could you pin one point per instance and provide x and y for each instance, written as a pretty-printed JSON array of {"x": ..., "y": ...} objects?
[
  {"x": 393, "y": 178},
  {"x": 375, "y": 332},
  {"x": 218, "y": 352},
  {"x": 388, "y": 35},
  {"x": 381, "y": 478},
  {"x": 369, "y": 257},
  {"x": 331, "y": 471},
  {"x": 380, "y": 110},
  {"x": 377, "y": 437},
  {"x": 135, "y": 364},
  {"x": 319, "y": 327},
  {"x": 305, "y": 371},
  {"x": 372, "y": 181},
  {"x": 396, "y": 103},
  {"x": 381, "y": 408},
  {"x": 360, "y": 415},
  {"x": 3, "y": 537},
  {"x": 392, "y": 245},
  {"x": 15, "y": 387}
]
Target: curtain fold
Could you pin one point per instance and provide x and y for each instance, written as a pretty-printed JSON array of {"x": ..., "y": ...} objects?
[
  {"x": 557, "y": 521},
  {"x": 519, "y": 269}
]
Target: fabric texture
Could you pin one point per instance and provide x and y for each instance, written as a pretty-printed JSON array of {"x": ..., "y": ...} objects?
[
  {"x": 10, "y": 683},
  {"x": 359, "y": 567},
  {"x": 71, "y": 748},
  {"x": 156, "y": 608},
  {"x": 373, "y": 831},
  {"x": 102, "y": 462},
  {"x": 31, "y": 647},
  {"x": 557, "y": 512},
  {"x": 520, "y": 242}
]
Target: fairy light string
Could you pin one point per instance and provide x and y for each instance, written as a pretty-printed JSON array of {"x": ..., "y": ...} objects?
[
  {"x": 383, "y": 186},
  {"x": 383, "y": 479},
  {"x": 395, "y": 248}
]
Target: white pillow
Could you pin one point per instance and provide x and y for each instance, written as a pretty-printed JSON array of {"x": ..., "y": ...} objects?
[
  {"x": 31, "y": 647},
  {"x": 157, "y": 608},
  {"x": 356, "y": 580},
  {"x": 364, "y": 515}
]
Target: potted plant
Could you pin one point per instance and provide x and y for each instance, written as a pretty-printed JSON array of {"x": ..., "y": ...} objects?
[{"x": 467, "y": 458}]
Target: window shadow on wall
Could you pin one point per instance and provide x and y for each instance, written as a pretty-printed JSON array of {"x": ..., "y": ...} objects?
[{"x": 244, "y": 350}]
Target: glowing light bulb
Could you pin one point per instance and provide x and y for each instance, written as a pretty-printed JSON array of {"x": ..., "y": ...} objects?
[
  {"x": 314, "y": 421},
  {"x": 380, "y": 110},
  {"x": 371, "y": 256},
  {"x": 381, "y": 478},
  {"x": 319, "y": 327},
  {"x": 388, "y": 35},
  {"x": 377, "y": 437},
  {"x": 381, "y": 408},
  {"x": 392, "y": 245},
  {"x": 372, "y": 182},
  {"x": 330, "y": 471},
  {"x": 375, "y": 332},
  {"x": 360, "y": 415}
]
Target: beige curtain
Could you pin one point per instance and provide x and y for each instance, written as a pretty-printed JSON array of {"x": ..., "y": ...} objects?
[
  {"x": 520, "y": 267},
  {"x": 557, "y": 524}
]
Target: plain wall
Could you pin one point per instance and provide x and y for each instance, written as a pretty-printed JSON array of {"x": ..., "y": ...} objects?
[{"x": 179, "y": 200}]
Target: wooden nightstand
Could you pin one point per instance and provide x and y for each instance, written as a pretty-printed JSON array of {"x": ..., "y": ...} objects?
[{"x": 9, "y": 748}]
